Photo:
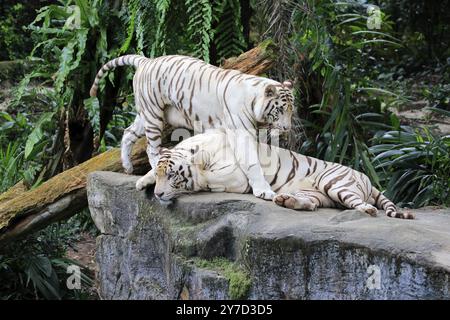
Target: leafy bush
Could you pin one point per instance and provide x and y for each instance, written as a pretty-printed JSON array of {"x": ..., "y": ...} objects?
[
  {"x": 414, "y": 164},
  {"x": 423, "y": 26},
  {"x": 210, "y": 30},
  {"x": 10, "y": 160},
  {"x": 438, "y": 96},
  {"x": 36, "y": 267},
  {"x": 13, "y": 164},
  {"x": 344, "y": 73},
  {"x": 14, "y": 40},
  {"x": 335, "y": 59}
]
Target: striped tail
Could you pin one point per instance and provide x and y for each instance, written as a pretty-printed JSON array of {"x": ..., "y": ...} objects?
[
  {"x": 381, "y": 202},
  {"x": 128, "y": 60}
]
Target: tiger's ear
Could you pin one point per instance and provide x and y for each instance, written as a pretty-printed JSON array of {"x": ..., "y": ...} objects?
[
  {"x": 288, "y": 84},
  {"x": 270, "y": 91}
]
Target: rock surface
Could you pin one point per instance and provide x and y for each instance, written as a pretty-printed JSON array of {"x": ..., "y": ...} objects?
[{"x": 147, "y": 251}]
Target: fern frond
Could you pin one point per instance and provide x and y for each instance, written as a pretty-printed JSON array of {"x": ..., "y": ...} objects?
[
  {"x": 199, "y": 26},
  {"x": 133, "y": 7},
  {"x": 229, "y": 39},
  {"x": 159, "y": 45},
  {"x": 145, "y": 21}
]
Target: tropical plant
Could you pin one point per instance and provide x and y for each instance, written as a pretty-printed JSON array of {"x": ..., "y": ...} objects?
[
  {"x": 424, "y": 26},
  {"x": 15, "y": 41},
  {"x": 14, "y": 131},
  {"x": 10, "y": 160},
  {"x": 36, "y": 267},
  {"x": 210, "y": 30},
  {"x": 414, "y": 164},
  {"x": 74, "y": 38},
  {"x": 333, "y": 56}
]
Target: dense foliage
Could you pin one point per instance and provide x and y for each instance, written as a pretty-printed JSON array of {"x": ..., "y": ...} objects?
[
  {"x": 351, "y": 81},
  {"x": 355, "y": 68}
]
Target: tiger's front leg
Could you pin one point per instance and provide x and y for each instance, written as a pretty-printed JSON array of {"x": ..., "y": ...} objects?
[
  {"x": 260, "y": 187},
  {"x": 153, "y": 132},
  {"x": 244, "y": 147},
  {"x": 153, "y": 125},
  {"x": 146, "y": 180}
]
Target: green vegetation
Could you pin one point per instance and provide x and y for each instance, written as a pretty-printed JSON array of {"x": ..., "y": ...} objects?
[
  {"x": 414, "y": 165},
  {"x": 351, "y": 81},
  {"x": 356, "y": 70},
  {"x": 239, "y": 278},
  {"x": 36, "y": 267}
]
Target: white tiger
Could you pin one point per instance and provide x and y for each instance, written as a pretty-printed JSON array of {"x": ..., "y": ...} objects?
[
  {"x": 181, "y": 91},
  {"x": 205, "y": 163}
]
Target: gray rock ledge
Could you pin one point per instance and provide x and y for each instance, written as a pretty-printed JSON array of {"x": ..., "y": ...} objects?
[{"x": 222, "y": 246}]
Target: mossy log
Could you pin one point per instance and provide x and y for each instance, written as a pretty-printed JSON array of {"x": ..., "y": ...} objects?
[{"x": 23, "y": 212}]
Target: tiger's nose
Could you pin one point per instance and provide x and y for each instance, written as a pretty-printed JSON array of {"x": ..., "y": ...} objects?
[{"x": 159, "y": 194}]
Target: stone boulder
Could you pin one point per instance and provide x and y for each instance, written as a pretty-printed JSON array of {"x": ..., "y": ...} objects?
[{"x": 233, "y": 246}]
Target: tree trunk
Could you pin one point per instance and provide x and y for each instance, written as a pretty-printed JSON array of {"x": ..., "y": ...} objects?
[{"x": 23, "y": 212}]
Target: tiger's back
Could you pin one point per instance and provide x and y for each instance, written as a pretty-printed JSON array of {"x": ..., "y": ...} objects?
[{"x": 190, "y": 90}]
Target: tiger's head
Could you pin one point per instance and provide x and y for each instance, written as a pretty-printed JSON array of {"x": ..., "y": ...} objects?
[
  {"x": 174, "y": 175},
  {"x": 276, "y": 107}
]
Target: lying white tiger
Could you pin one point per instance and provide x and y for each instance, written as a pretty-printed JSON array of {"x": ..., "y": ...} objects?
[
  {"x": 181, "y": 91},
  {"x": 205, "y": 162}
]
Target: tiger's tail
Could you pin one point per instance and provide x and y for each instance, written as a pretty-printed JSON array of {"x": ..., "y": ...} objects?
[
  {"x": 127, "y": 60},
  {"x": 383, "y": 203}
]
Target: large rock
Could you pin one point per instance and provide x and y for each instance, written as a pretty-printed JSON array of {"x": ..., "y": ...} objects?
[{"x": 220, "y": 246}]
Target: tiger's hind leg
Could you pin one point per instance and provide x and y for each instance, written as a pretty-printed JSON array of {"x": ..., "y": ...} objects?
[
  {"x": 130, "y": 136},
  {"x": 353, "y": 198}
]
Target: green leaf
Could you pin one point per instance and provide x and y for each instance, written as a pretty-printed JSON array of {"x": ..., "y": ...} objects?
[
  {"x": 37, "y": 134},
  {"x": 92, "y": 106},
  {"x": 395, "y": 122},
  {"x": 388, "y": 154}
]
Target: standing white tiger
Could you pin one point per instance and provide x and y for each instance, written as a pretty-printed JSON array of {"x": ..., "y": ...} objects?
[
  {"x": 205, "y": 163},
  {"x": 180, "y": 91}
]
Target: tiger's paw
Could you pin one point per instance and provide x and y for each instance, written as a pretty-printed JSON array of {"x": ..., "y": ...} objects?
[
  {"x": 140, "y": 184},
  {"x": 264, "y": 194},
  {"x": 144, "y": 182},
  {"x": 297, "y": 203},
  {"x": 367, "y": 208},
  {"x": 285, "y": 200},
  {"x": 127, "y": 167}
]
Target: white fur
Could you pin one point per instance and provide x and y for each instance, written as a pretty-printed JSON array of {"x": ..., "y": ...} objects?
[
  {"x": 182, "y": 91},
  {"x": 300, "y": 182}
]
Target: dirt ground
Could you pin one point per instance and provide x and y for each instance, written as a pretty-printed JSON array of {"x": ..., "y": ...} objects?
[{"x": 83, "y": 252}]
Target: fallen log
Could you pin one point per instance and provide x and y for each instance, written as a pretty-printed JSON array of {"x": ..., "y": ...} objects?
[
  {"x": 61, "y": 196},
  {"x": 23, "y": 212}
]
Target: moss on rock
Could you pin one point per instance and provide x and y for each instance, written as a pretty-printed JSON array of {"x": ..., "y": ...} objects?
[{"x": 239, "y": 279}]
